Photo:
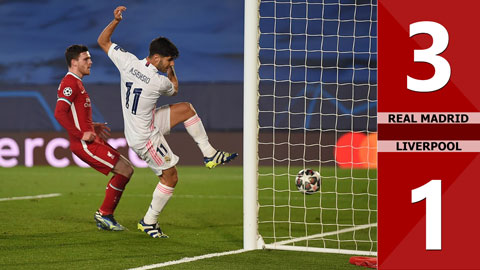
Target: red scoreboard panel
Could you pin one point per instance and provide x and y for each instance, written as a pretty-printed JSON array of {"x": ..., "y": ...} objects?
[{"x": 428, "y": 134}]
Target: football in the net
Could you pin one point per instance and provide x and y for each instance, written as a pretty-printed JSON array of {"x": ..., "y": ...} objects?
[{"x": 308, "y": 181}]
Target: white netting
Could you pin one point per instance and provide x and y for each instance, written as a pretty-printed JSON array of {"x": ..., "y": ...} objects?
[{"x": 317, "y": 109}]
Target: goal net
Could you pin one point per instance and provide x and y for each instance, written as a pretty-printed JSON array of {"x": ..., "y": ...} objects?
[{"x": 310, "y": 102}]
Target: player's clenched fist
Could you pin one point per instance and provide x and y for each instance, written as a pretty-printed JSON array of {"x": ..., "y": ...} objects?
[
  {"x": 117, "y": 13},
  {"x": 88, "y": 136}
]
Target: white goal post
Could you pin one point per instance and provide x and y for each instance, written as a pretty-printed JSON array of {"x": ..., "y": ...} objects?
[
  {"x": 250, "y": 119},
  {"x": 310, "y": 102}
]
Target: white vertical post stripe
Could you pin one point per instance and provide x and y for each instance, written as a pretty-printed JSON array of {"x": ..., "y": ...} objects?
[{"x": 250, "y": 127}]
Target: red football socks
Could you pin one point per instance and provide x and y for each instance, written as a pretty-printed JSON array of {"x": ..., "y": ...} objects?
[{"x": 114, "y": 191}]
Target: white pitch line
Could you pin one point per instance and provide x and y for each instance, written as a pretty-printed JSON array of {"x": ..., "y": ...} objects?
[
  {"x": 188, "y": 259},
  {"x": 31, "y": 197}
]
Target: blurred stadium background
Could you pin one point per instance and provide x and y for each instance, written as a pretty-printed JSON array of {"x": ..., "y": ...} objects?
[{"x": 209, "y": 35}]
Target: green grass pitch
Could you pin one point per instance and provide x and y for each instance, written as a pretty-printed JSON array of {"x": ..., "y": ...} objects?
[{"x": 204, "y": 216}]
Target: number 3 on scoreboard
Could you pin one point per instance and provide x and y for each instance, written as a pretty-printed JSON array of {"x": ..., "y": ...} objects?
[
  {"x": 432, "y": 192},
  {"x": 442, "y": 68}
]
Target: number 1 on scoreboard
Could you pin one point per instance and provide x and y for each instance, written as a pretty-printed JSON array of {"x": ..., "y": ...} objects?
[{"x": 432, "y": 192}]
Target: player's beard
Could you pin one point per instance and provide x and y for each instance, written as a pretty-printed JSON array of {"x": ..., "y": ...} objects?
[{"x": 86, "y": 71}]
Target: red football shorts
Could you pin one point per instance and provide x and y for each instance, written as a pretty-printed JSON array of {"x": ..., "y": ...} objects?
[{"x": 98, "y": 154}]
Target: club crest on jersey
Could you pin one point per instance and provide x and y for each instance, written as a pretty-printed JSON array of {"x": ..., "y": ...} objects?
[{"x": 67, "y": 91}]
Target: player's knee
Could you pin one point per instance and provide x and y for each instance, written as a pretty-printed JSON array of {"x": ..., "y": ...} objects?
[
  {"x": 129, "y": 171},
  {"x": 173, "y": 179},
  {"x": 188, "y": 109},
  {"x": 170, "y": 177},
  {"x": 124, "y": 168}
]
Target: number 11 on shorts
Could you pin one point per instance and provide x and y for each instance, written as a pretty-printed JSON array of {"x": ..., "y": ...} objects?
[{"x": 432, "y": 192}]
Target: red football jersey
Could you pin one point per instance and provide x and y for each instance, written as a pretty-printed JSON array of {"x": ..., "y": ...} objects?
[
  {"x": 76, "y": 117},
  {"x": 74, "y": 113}
]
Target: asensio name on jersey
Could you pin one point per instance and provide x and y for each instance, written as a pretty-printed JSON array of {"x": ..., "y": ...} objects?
[
  {"x": 141, "y": 86},
  {"x": 139, "y": 75}
]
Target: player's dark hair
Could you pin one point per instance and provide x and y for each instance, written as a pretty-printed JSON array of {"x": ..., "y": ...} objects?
[
  {"x": 73, "y": 52},
  {"x": 164, "y": 47}
]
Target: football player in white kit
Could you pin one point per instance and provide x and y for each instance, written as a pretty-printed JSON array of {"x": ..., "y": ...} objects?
[{"x": 145, "y": 125}]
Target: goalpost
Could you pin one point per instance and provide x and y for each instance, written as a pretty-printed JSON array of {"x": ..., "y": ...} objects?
[{"x": 310, "y": 96}]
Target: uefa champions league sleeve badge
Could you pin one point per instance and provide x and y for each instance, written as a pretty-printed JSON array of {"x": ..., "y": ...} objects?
[{"x": 67, "y": 91}]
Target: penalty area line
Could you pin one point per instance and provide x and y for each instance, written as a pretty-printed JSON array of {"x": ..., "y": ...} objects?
[
  {"x": 42, "y": 196},
  {"x": 188, "y": 259}
]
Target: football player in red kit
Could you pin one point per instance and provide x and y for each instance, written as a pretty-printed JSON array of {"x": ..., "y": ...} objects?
[{"x": 87, "y": 139}]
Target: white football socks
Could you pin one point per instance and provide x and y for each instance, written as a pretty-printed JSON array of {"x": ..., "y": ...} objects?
[
  {"x": 161, "y": 195},
  {"x": 195, "y": 128}
]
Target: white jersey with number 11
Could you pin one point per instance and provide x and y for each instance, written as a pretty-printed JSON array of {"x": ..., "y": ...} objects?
[{"x": 141, "y": 86}]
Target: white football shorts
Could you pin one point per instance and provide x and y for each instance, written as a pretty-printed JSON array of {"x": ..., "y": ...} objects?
[{"x": 157, "y": 152}]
